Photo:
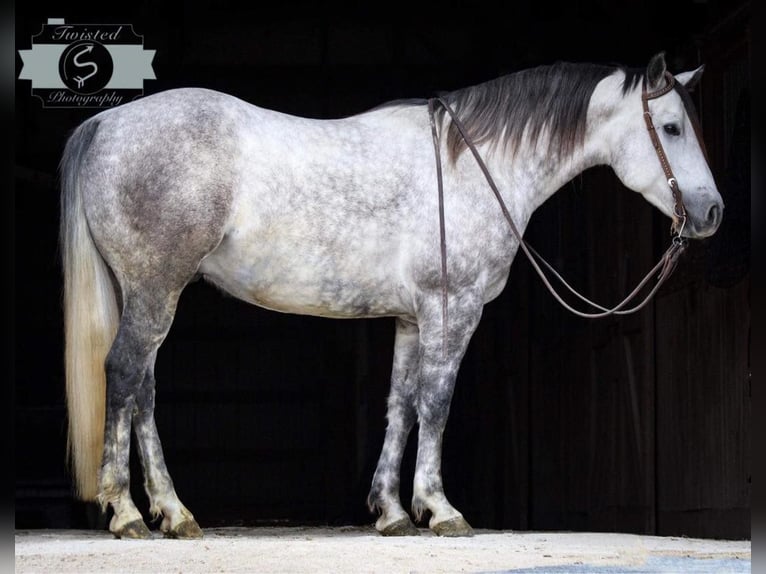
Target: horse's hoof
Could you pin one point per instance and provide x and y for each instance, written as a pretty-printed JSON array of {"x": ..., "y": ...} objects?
[
  {"x": 453, "y": 527},
  {"x": 402, "y": 527},
  {"x": 136, "y": 530},
  {"x": 186, "y": 530}
]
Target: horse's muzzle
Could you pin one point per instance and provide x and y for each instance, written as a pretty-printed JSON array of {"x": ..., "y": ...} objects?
[{"x": 704, "y": 216}]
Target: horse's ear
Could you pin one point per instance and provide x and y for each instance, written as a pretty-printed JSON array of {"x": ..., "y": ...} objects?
[
  {"x": 690, "y": 79},
  {"x": 655, "y": 71}
]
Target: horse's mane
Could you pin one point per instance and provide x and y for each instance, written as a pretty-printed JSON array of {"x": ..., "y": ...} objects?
[{"x": 554, "y": 97}]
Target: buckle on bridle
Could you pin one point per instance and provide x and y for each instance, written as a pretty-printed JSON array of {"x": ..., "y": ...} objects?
[{"x": 672, "y": 182}]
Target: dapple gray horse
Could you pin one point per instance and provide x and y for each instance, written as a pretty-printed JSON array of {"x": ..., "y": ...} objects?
[{"x": 336, "y": 218}]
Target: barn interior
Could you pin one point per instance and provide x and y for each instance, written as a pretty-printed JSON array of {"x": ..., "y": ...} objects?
[{"x": 630, "y": 424}]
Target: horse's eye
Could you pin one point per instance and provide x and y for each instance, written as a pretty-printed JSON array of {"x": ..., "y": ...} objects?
[{"x": 672, "y": 129}]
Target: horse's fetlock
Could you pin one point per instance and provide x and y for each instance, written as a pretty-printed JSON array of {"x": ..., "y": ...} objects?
[
  {"x": 110, "y": 492},
  {"x": 155, "y": 511},
  {"x": 419, "y": 509},
  {"x": 102, "y": 501}
]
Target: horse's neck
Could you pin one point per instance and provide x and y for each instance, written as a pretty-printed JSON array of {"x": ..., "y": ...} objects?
[
  {"x": 534, "y": 175},
  {"x": 536, "y": 172}
]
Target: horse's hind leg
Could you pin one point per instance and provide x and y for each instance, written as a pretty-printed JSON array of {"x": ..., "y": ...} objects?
[
  {"x": 114, "y": 477},
  {"x": 384, "y": 494},
  {"x": 125, "y": 368},
  {"x": 147, "y": 315},
  {"x": 177, "y": 521}
]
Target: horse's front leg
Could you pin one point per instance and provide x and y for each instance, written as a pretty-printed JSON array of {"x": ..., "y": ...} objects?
[
  {"x": 384, "y": 493},
  {"x": 438, "y": 367}
]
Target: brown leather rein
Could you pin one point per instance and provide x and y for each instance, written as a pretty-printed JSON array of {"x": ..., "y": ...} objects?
[{"x": 664, "y": 268}]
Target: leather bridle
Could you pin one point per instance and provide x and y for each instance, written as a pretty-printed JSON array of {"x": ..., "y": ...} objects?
[
  {"x": 664, "y": 268},
  {"x": 679, "y": 209}
]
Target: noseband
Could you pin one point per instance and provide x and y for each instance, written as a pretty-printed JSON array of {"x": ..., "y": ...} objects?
[{"x": 664, "y": 268}]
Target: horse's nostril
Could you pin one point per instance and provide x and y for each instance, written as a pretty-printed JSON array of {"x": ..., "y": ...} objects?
[{"x": 713, "y": 215}]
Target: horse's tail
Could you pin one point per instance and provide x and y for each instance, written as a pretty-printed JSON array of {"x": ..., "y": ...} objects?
[{"x": 90, "y": 321}]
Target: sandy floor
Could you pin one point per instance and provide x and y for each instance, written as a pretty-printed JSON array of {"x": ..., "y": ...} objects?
[{"x": 354, "y": 550}]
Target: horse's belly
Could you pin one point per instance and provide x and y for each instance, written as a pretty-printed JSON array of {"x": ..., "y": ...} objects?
[{"x": 306, "y": 281}]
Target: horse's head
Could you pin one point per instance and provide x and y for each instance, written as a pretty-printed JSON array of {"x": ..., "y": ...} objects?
[{"x": 637, "y": 163}]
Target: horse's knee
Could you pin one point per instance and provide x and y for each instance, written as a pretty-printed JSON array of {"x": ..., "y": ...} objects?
[
  {"x": 401, "y": 413},
  {"x": 433, "y": 408}
]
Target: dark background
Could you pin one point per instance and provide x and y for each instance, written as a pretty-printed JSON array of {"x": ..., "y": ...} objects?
[{"x": 640, "y": 424}]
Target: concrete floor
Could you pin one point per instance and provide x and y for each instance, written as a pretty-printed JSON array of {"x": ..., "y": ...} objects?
[{"x": 357, "y": 550}]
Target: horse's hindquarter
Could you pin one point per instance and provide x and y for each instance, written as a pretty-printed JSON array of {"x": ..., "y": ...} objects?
[
  {"x": 157, "y": 184},
  {"x": 325, "y": 216}
]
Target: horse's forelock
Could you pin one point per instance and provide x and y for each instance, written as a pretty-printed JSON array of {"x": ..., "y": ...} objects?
[{"x": 634, "y": 77}]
